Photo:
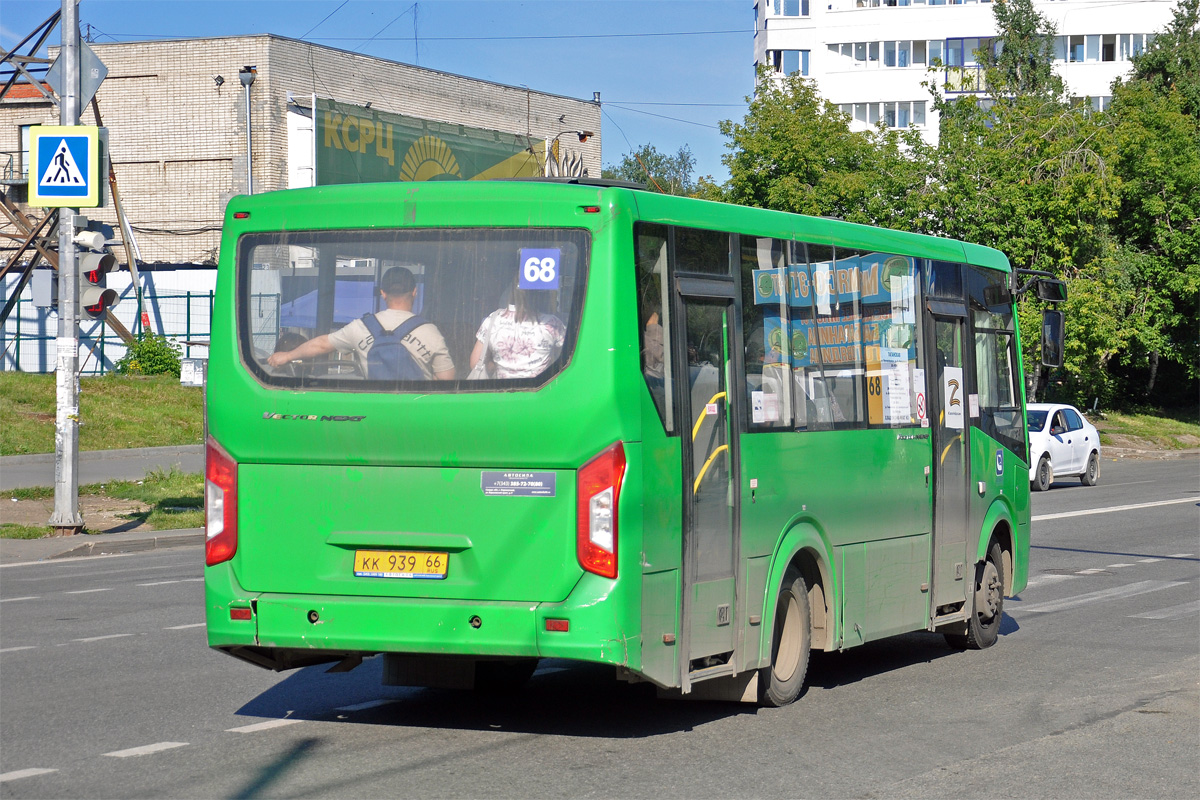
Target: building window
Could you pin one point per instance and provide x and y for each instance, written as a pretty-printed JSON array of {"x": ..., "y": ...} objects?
[
  {"x": 790, "y": 62},
  {"x": 790, "y": 8},
  {"x": 24, "y": 165},
  {"x": 901, "y": 115},
  {"x": 1076, "y": 49},
  {"x": 936, "y": 51},
  {"x": 1108, "y": 47}
]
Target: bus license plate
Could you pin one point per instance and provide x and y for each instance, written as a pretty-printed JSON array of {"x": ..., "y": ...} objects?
[{"x": 400, "y": 564}]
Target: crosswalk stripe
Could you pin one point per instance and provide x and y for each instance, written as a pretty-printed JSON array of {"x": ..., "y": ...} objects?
[
  {"x": 1131, "y": 590},
  {"x": 1174, "y": 612}
]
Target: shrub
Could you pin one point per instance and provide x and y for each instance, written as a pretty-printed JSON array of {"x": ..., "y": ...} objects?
[{"x": 150, "y": 355}]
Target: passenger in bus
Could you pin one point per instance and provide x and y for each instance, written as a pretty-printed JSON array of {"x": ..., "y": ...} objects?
[
  {"x": 519, "y": 340},
  {"x": 424, "y": 343}
]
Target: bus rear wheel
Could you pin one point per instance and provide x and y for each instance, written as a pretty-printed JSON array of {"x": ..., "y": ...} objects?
[
  {"x": 987, "y": 605},
  {"x": 791, "y": 640}
]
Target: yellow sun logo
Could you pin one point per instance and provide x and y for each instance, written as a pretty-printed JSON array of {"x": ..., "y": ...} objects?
[{"x": 428, "y": 158}]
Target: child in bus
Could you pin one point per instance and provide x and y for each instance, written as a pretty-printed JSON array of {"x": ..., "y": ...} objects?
[{"x": 519, "y": 340}]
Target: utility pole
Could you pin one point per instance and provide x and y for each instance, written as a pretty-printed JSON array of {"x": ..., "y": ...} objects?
[{"x": 66, "y": 519}]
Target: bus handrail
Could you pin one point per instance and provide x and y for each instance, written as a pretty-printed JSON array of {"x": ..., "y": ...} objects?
[{"x": 700, "y": 419}]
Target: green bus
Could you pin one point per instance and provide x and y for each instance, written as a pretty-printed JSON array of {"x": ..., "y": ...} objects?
[{"x": 687, "y": 439}]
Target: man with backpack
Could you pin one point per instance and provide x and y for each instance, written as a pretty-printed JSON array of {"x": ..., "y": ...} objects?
[{"x": 391, "y": 344}]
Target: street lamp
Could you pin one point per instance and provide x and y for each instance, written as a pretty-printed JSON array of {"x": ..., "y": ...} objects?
[
  {"x": 247, "y": 76},
  {"x": 583, "y": 136}
]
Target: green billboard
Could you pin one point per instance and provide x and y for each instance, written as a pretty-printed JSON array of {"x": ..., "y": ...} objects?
[{"x": 361, "y": 145}]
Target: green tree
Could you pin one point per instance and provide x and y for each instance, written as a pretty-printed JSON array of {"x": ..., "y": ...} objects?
[
  {"x": 795, "y": 152},
  {"x": 1025, "y": 62},
  {"x": 659, "y": 172},
  {"x": 1171, "y": 64},
  {"x": 1157, "y": 134}
]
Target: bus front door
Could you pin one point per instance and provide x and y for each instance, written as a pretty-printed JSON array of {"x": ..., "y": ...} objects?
[
  {"x": 709, "y": 480},
  {"x": 951, "y": 464}
]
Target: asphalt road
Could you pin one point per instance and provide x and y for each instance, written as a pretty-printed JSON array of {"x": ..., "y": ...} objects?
[{"x": 1092, "y": 692}]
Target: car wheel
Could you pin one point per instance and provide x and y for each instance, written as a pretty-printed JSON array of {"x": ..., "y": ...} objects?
[
  {"x": 1044, "y": 476},
  {"x": 1091, "y": 475},
  {"x": 986, "y": 603}
]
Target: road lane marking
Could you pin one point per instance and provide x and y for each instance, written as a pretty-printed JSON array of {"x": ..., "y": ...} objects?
[
  {"x": 159, "y": 583},
  {"x": 1118, "y": 566},
  {"x": 1042, "y": 580},
  {"x": 1149, "y": 560},
  {"x": 17, "y": 774},
  {"x": 101, "y": 638},
  {"x": 1131, "y": 590},
  {"x": 184, "y": 627},
  {"x": 14, "y": 649},
  {"x": 263, "y": 726},
  {"x": 1111, "y": 509},
  {"x": 368, "y": 704},
  {"x": 1088, "y": 571},
  {"x": 146, "y": 750},
  {"x": 16, "y": 599},
  {"x": 89, "y": 591},
  {"x": 1181, "y": 555},
  {"x": 1174, "y": 612}
]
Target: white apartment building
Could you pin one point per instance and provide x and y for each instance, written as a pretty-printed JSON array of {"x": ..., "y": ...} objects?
[{"x": 870, "y": 57}]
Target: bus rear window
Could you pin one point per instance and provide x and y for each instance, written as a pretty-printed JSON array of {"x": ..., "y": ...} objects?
[{"x": 464, "y": 309}]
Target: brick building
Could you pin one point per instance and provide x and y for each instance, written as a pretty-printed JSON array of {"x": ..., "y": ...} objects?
[{"x": 176, "y": 118}]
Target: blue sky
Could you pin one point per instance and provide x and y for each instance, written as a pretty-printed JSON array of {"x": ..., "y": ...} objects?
[{"x": 665, "y": 90}]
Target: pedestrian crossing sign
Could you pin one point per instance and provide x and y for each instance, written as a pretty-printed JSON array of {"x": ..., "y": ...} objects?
[{"x": 65, "y": 166}]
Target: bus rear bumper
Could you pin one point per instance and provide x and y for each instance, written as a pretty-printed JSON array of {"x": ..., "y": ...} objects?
[{"x": 290, "y": 630}]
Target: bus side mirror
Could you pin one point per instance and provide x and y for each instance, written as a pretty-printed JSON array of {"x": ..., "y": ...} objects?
[
  {"x": 1050, "y": 290},
  {"x": 1052, "y": 338}
]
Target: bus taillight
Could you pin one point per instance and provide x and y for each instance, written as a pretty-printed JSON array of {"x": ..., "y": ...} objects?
[
  {"x": 599, "y": 491},
  {"x": 220, "y": 504}
]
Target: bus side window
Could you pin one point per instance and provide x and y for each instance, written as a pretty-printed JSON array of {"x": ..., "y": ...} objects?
[
  {"x": 765, "y": 320},
  {"x": 650, "y": 251}
]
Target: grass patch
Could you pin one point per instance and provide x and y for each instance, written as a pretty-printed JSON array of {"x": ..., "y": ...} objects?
[
  {"x": 115, "y": 412},
  {"x": 1156, "y": 429},
  {"x": 175, "y": 500},
  {"x": 11, "y": 530}
]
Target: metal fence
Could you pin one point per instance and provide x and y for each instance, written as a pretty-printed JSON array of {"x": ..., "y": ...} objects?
[{"x": 29, "y": 337}]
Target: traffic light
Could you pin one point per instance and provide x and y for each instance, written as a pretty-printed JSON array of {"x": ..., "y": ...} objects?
[{"x": 96, "y": 262}]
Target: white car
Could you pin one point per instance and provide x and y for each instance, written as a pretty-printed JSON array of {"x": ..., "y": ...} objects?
[{"x": 1061, "y": 444}]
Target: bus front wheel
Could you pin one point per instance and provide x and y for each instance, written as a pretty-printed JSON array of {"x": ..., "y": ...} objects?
[
  {"x": 987, "y": 605},
  {"x": 781, "y": 682}
]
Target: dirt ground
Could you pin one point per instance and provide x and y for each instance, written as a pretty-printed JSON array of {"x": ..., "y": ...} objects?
[{"x": 101, "y": 514}]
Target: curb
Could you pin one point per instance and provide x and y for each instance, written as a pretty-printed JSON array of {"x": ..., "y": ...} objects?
[{"x": 133, "y": 545}]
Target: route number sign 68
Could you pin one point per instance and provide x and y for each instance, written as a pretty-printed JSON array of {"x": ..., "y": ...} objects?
[{"x": 539, "y": 268}]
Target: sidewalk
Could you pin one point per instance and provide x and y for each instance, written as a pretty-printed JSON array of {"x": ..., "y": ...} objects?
[
  {"x": 98, "y": 466},
  {"x": 25, "y": 551}
]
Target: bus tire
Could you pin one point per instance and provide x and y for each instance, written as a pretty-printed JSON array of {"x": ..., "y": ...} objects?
[
  {"x": 987, "y": 605},
  {"x": 791, "y": 639}
]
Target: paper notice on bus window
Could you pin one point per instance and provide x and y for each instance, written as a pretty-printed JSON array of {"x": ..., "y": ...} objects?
[
  {"x": 771, "y": 407},
  {"x": 757, "y": 411},
  {"x": 897, "y": 398},
  {"x": 821, "y": 279},
  {"x": 953, "y": 401},
  {"x": 903, "y": 300}
]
